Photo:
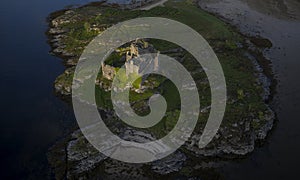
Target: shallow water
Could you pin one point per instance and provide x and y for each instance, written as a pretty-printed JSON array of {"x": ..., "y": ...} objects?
[{"x": 279, "y": 21}]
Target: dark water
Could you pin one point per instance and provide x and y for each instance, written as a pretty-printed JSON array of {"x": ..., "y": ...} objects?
[
  {"x": 33, "y": 118},
  {"x": 279, "y": 21}
]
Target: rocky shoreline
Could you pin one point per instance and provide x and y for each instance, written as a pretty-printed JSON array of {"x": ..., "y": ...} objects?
[{"x": 74, "y": 157}]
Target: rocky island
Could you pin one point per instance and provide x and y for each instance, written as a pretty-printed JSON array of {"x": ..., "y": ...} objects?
[{"x": 247, "y": 119}]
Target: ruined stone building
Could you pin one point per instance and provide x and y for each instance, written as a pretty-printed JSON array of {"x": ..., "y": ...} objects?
[
  {"x": 134, "y": 62},
  {"x": 108, "y": 71}
]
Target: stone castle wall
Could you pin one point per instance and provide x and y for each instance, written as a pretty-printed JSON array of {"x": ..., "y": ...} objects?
[
  {"x": 108, "y": 71},
  {"x": 131, "y": 65}
]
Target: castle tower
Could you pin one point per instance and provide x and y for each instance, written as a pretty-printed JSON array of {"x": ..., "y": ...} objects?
[{"x": 155, "y": 68}]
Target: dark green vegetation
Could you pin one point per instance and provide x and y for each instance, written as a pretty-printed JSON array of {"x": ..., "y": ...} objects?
[
  {"x": 247, "y": 117},
  {"x": 244, "y": 91}
]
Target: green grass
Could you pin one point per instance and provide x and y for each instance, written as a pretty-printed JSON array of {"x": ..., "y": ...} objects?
[{"x": 238, "y": 70}]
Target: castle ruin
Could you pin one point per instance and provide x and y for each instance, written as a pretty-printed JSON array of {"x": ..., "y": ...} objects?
[{"x": 134, "y": 63}]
